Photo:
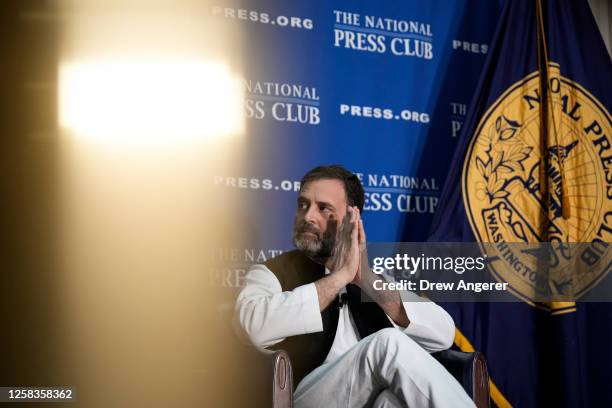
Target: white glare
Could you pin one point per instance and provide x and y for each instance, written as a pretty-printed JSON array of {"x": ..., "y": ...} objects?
[{"x": 149, "y": 99}]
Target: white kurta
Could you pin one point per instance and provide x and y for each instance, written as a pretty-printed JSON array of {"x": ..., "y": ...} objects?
[{"x": 265, "y": 315}]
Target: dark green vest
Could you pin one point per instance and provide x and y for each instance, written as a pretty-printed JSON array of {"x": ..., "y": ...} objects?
[{"x": 308, "y": 351}]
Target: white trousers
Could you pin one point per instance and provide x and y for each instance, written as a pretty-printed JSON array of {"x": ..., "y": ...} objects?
[{"x": 385, "y": 369}]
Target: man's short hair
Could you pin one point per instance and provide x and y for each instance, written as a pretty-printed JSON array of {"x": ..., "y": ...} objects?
[{"x": 355, "y": 195}]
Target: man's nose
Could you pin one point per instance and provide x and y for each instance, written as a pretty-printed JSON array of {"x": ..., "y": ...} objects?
[{"x": 311, "y": 215}]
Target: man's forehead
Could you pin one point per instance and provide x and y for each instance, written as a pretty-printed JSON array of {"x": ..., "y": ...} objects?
[{"x": 325, "y": 190}]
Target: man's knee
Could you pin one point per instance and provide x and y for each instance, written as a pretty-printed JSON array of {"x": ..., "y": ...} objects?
[
  {"x": 387, "y": 335},
  {"x": 392, "y": 338},
  {"x": 393, "y": 344}
]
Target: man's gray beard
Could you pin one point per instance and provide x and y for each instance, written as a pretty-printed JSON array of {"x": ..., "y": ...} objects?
[{"x": 318, "y": 249}]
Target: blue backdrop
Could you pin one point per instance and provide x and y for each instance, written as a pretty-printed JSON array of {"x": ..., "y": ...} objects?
[{"x": 382, "y": 88}]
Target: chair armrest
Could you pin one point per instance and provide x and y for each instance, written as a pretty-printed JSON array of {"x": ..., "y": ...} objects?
[
  {"x": 470, "y": 369},
  {"x": 278, "y": 367}
]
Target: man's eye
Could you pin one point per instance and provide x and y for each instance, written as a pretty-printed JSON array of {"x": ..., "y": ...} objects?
[{"x": 326, "y": 209}]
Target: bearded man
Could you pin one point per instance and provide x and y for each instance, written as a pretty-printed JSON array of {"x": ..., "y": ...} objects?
[{"x": 345, "y": 352}]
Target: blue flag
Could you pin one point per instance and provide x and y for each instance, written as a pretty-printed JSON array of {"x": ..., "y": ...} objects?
[{"x": 534, "y": 164}]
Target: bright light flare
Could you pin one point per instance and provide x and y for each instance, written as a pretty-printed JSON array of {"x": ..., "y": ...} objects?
[{"x": 170, "y": 100}]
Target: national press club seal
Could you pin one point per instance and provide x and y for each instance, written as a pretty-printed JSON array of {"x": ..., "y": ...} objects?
[{"x": 519, "y": 190}]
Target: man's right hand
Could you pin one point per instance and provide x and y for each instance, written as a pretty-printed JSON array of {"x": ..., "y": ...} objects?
[
  {"x": 346, "y": 255},
  {"x": 344, "y": 262}
]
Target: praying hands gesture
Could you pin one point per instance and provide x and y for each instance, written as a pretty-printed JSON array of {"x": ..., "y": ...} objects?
[
  {"x": 346, "y": 259},
  {"x": 349, "y": 262}
]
